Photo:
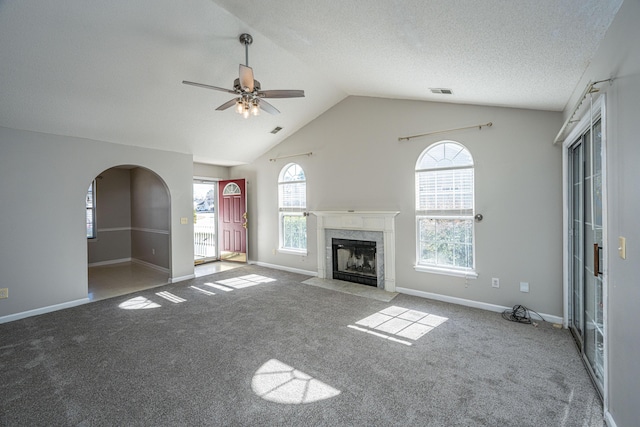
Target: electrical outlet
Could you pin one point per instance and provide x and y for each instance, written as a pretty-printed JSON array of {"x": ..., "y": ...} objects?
[
  {"x": 524, "y": 286},
  {"x": 4, "y": 293},
  {"x": 153, "y": 251},
  {"x": 495, "y": 282}
]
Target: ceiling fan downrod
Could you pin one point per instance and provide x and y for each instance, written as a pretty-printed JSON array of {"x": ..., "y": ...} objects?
[{"x": 246, "y": 40}]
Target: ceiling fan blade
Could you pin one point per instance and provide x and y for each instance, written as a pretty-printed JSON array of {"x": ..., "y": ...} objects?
[
  {"x": 246, "y": 78},
  {"x": 281, "y": 94},
  {"x": 221, "y": 89},
  {"x": 227, "y": 105},
  {"x": 264, "y": 105}
]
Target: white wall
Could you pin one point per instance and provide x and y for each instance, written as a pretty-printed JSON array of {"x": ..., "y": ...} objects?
[
  {"x": 200, "y": 170},
  {"x": 618, "y": 57},
  {"x": 43, "y": 184},
  {"x": 358, "y": 163}
]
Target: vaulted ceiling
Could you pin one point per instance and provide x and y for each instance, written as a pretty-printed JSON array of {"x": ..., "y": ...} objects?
[{"x": 112, "y": 70}]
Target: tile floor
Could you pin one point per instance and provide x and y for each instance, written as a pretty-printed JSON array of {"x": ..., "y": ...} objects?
[
  {"x": 109, "y": 281},
  {"x": 352, "y": 288}
]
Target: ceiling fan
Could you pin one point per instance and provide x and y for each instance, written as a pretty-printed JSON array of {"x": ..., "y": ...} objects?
[{"x": 250, "y": 97}]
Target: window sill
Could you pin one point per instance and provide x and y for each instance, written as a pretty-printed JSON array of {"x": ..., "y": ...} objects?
[
  {"x": 470, "y": 274},
  {"x": 302, "y": 252}
]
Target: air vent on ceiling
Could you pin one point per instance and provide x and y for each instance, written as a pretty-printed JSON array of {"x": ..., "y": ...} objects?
[
  {"x": 276, "y": 130},
  {"x": 440, "y": 90}
]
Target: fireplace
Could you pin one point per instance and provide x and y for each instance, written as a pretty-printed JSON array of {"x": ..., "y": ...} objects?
[
  {"x": 355, "y": 261},
  {"x": 378, "y": 227}
]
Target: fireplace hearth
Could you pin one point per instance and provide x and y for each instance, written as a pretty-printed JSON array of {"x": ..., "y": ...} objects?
[{"x": 355, "y": 261}]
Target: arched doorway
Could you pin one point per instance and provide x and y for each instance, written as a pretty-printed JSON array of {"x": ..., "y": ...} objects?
[{"x": 128, "y": 232}]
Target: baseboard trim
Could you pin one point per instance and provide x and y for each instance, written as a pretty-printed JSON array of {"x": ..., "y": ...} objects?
[
  {"x": 470, "y": 303},
  {"x": 609, "y": 419},
  {"x": 109, "y": 262},
  {"x": 182, "y": 278},
  {"x": 43, "y": 310},
  {"x": 284, "y": 268},
  {"x": 150, "y": 265}
]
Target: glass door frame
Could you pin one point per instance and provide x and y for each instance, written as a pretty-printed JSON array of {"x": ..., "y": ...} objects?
[
  {"x": 597, "y": 111},
  {"x": 214, "y": 220}
]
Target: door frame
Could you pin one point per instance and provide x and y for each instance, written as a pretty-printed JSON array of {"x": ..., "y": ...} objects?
[
  {"x": 214, "y": 183},
  {"x": 222, "y": 184},
  {"x": 596, "y": 110}
]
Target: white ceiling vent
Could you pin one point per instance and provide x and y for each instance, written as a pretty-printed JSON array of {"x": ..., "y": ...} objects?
[
  {"x": 440, "y": 90},
  {"x": 276, "y": 129}
]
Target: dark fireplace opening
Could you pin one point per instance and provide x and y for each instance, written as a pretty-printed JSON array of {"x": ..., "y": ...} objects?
[{"x": 355, "y": 261}]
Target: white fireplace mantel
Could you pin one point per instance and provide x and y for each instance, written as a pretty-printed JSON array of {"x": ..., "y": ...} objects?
[{"x": 382, "y": 221}]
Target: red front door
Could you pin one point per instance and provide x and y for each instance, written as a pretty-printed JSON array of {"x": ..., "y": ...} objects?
[{"x": 232, "y": 214}]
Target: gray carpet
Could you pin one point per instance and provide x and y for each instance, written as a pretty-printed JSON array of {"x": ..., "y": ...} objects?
[{"x": 282, "y": 353}]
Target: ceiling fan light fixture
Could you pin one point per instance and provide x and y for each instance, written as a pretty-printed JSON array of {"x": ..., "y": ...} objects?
[
  {"x": 239, "y": 106},
  {"x": 255, "y": 109}
]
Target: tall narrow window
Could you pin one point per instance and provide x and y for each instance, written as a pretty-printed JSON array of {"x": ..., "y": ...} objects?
[
  {"x": 292, "y": 197},
  {"x": 444, "y": 209},
  {"x": 91, "y": 211}
]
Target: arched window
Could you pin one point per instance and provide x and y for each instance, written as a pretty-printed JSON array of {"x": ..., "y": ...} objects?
[
  {"x": 292, "y": 202},
  {"x": 231, "y": 189},
  {"x": 444, "y": 209}
]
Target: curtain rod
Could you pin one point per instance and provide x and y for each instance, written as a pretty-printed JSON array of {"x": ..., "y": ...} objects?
[
  {"x": 407, "y": 138},
  {"x": 587, "y": 90},
  {"x": 293, "y": 155}
]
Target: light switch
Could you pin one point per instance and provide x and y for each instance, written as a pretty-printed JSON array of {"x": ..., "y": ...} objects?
[
  {"x": 622, "y": 247},
  {"x": 184, "y": 220}
]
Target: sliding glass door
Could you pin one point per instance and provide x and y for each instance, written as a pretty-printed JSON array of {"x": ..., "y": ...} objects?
[{"x": 586, "y": 249}]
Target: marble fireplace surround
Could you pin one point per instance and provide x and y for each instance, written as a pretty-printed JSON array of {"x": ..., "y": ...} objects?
[{"x": 376, "y": 226}]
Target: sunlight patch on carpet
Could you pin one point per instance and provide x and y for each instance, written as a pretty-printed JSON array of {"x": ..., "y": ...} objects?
[
  {"x": 138, "y": 303},
  {"x": 170, "y": 297},
  {"x": 245, "y": 281},
  {"x": 280, "y": 383},
  {"x": 397, "y": 323},
  {"x": 204, "y": 291},
  {"x": 220, "y": 287}
]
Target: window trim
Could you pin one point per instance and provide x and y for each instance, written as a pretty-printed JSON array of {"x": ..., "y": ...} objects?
[
  {"x": 452, "y": 214},
  {"x": 423, "y": 268},
  {"x": 291, "y": 211}
]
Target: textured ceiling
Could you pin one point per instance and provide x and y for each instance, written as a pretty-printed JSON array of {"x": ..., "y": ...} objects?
[{"x": 112, "y": 71}]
